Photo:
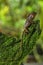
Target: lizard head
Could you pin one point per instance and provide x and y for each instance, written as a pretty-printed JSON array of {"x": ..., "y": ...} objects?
[{"x": 32, "y": 15}]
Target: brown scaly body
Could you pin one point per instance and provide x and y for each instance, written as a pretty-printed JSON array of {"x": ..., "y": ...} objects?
[{"x": 29, "y": 21}]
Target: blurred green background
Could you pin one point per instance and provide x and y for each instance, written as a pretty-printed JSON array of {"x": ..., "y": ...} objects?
[{"x": 13, "y": 14}]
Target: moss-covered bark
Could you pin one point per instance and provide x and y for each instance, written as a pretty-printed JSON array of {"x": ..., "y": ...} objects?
[{"x": 13, "y": 51}]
